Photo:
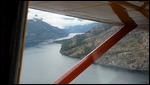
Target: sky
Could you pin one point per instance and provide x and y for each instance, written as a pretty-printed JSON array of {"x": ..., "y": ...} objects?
[{"x": 57, "y": 20}]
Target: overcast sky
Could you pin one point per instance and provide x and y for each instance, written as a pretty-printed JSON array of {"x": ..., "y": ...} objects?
[{"x": 60, "y": 21}]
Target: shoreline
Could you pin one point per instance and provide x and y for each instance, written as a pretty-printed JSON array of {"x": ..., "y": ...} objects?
[{"x": 114, "y": 67}]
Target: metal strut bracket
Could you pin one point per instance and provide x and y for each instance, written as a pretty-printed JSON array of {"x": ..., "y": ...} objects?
[{"x": 79, "y": 67}]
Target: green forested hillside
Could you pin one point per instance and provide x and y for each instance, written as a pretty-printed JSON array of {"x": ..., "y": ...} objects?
[{"x": 131, "y": 52}]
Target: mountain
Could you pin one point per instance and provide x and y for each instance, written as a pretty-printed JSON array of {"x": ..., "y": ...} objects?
[
  {"x": 131, "y": 52},
  {"x": 80, "y": 28},
  {"x": 38, "y": 31}
]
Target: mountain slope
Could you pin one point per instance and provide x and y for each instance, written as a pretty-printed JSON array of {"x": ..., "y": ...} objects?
[
  {"x": 131, "y": 52},
  {"x": 38, "y": 31}
]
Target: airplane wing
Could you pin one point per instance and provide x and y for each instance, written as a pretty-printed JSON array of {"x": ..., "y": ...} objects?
[{"x": 100, "y": 11}]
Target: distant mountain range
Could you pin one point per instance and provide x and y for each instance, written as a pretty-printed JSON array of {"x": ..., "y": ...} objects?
[
  {"x": 80, "y": 28},
  {"x": 38, "y": 31}
]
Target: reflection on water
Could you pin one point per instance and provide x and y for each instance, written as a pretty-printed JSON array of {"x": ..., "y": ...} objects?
[
  {"x": 43, "y": 64},
  {"x": 70, "y": 36}
]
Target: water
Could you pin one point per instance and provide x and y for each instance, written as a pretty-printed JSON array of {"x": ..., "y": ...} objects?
[
  {"x": 43, "y": 64},
  {"x": 69, "y": 36}
]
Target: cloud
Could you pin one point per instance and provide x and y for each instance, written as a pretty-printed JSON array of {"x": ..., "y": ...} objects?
[{"x": 57, "y": 20}]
